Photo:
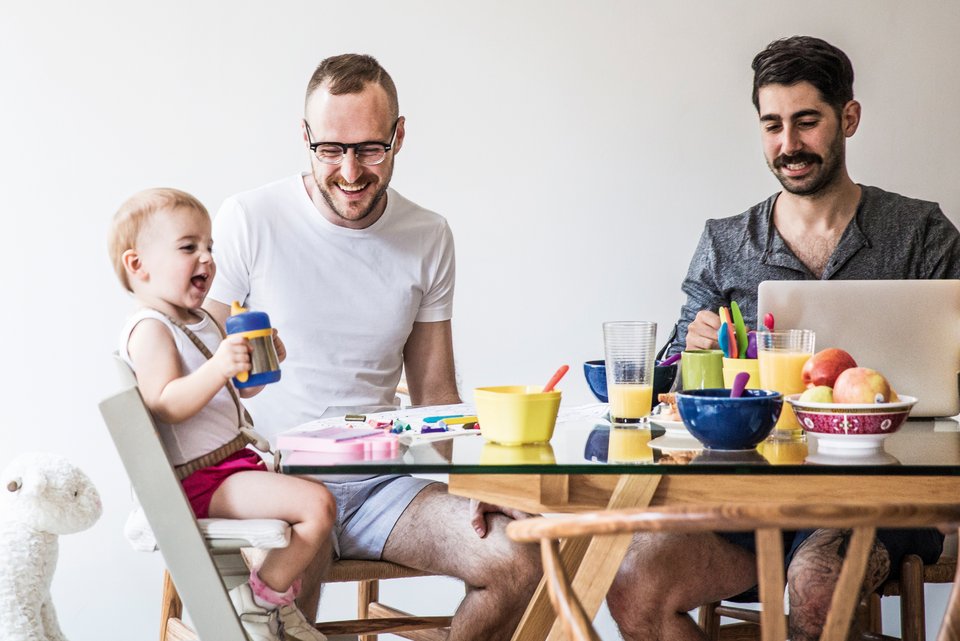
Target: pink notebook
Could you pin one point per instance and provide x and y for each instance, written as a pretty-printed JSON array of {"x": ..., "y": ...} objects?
[{"x": 325, "y": 439}]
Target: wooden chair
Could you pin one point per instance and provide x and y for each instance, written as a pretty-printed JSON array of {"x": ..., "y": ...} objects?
[
  {"x": 204, "y": 563},
  {"x": 373, "y": 617},
  {"x": 767, "y": 521},
  {"x": 913, "y": 576}
]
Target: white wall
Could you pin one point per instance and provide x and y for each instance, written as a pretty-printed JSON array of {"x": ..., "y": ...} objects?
[{"x": 575, "y": 148}]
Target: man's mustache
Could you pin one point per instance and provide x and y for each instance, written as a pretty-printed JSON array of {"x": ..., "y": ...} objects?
[{"x": 796, "y": 158}]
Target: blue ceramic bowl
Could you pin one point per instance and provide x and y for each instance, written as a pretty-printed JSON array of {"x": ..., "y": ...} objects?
[
  {"x": 724, "y": 423},
  {"x": 596, "y": 374},
  {"x": 598, "y": 444}
]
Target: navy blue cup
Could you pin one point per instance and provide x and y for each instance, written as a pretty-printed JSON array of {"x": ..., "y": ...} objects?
[{"x": 596, "y": 374}]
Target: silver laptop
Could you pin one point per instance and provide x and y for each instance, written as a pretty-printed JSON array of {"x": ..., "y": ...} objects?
[{"x": 908, "y": 330}]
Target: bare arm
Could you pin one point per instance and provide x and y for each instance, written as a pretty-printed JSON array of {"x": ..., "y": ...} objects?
[
  {"x": 170, "y": 395},
  {"x": 428, "y": 360}
]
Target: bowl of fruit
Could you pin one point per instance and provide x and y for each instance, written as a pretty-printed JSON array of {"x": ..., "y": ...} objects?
[{"x": 846, "y": 406}]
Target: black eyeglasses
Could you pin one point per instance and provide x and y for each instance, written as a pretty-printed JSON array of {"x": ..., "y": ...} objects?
[{"x": 370, "y": 152}]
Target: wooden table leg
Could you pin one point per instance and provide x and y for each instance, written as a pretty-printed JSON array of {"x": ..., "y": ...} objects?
[
  {"x": 591, "y": 564},
  {"x": 773, "y": 624}
]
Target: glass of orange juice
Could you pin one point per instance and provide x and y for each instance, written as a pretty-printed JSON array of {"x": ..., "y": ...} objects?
[
  {"x": 630, "y": 350},
  {"x": 782, "y": 355},
  {"x": 628, "y": 444}
]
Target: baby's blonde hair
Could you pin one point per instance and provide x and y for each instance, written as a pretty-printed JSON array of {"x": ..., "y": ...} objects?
[{"x": 133, "y": 216}]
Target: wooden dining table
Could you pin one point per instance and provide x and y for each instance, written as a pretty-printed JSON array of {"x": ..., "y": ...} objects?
[{"x": 591, "y": 465}]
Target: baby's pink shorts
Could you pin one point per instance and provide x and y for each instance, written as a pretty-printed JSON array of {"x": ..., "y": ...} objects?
[{"x": 201, "y": 485}]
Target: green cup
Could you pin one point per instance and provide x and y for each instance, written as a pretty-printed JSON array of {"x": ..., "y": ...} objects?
[{"x": 701, "y": 369}]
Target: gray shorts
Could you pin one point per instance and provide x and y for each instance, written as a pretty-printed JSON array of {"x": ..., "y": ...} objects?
[{"x": 367, "y": 510}]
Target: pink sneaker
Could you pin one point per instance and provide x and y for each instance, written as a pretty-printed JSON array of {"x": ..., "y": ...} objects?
[
  {"x": 296, "y": 627},
  {"x": 259, "y": 623}
]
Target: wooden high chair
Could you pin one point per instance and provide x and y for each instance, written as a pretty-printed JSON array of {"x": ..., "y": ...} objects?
[{"x": 203, "y": 558}]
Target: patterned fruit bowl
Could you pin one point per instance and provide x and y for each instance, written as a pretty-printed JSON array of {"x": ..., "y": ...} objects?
[{"x": 851, "y": 419}]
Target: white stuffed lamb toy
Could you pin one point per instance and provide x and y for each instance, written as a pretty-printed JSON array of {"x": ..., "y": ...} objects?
[{"x": 41, "y": 496}]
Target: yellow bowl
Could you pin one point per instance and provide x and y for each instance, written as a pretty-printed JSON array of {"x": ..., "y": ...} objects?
[
  {"x": 783, "y": 452},
  {"x": 516, "y": 414},
  {"x": 538, "y": 454}
]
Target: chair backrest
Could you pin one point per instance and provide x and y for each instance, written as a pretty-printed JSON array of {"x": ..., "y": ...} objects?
[
  {"x": 767, "y": 521},
  {"x": 126, "y": 375},
  {"x": 172, "y": 520}
]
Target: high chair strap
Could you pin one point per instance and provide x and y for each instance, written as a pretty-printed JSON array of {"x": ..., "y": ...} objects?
[
  {"x": 244, "y": 420},
  {"x": 213, "y": 457}
]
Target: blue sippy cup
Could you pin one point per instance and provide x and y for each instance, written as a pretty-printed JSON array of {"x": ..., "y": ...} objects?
[{"x": 255, "y": 327}]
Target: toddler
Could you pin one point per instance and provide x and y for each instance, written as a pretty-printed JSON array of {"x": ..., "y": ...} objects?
[{"x": 161, "y": 248}]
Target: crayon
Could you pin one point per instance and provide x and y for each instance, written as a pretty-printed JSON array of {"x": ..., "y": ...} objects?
[
  {"x": 436, "y": 419},
  {"x": 459, "y": 420}
]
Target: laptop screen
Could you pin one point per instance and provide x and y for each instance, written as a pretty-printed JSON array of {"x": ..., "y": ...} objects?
[{"x": 908, "y": 330}]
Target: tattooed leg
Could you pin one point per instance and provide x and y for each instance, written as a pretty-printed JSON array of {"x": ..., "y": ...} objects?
[{"x": 813, "y": 573}]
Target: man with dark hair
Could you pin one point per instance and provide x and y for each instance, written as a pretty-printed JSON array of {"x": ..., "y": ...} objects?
[
  {"x": 805, "y": 59},
  {"x": 360, "y": 280},
  {"x": 821, "y": 225}
]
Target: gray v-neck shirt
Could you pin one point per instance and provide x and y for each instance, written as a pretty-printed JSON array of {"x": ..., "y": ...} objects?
[{"x": 890, "y": 237}]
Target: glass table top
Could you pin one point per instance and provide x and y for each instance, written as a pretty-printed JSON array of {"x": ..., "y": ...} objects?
[{"x": 590, "y": 445}]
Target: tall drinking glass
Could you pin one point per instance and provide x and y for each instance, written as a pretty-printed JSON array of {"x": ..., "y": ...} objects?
[
  {"x": 630, "y": 350},
  {"x": 782, "y": 355}
]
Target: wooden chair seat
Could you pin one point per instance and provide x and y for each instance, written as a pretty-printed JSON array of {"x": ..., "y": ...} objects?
[
  {"x": 768, "y": 522},
  {"x": 940, "y": 572}
]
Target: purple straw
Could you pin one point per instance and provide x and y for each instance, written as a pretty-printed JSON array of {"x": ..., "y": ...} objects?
[{"x": 669, "y": 361}]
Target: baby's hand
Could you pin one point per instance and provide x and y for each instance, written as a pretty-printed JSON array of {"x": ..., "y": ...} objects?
[
  {"x": 232, "y": 356},
  {"x": 279, "y": 346}
]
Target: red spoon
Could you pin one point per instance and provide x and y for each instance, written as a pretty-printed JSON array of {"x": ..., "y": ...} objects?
[
  {"x": 768, "y": 321},
  {"x": 556, "y": 378}
]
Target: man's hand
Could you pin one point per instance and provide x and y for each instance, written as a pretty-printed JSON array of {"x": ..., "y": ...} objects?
[
  {"x": 478, "y": 512},
  {"x": 702, "y": 332}
]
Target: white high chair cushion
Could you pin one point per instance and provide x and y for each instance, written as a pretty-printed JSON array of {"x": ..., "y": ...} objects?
[{"x": 256, "y": 533}]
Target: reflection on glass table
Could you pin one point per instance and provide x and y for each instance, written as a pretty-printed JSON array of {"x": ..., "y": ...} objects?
[{"x": 589, "y": 445}]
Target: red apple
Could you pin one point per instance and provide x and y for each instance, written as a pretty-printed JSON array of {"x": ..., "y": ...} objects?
[
  {"x": 825, "y": 366},
  {"x": 861, "y": 385}
]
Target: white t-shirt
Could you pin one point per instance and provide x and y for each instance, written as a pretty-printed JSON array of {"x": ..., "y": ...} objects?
[
  {"x": 343, "y": 300},
  {"x": 217, "y": 422}
]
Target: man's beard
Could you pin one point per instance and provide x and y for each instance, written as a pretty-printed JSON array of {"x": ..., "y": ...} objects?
[
  {"x": 827, "y": 176},
  {"x": 324, "y": 190}
]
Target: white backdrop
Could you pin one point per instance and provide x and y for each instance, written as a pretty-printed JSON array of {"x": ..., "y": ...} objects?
[{"x": 575, "y": 148}]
